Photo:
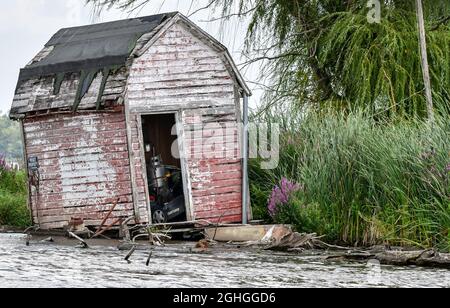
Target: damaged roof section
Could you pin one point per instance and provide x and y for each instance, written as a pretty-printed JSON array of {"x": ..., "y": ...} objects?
[
  {"x": 81, "y": 67},
  {"x": 92, "y": 47},
  {"x": 86, "y": 68}
]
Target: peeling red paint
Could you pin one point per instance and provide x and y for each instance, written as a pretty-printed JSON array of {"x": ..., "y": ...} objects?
[
  {"x": 88, "y": 160},
  {"x": 84, "y": 167}
]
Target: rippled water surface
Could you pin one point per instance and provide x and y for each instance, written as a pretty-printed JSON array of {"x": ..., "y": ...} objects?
[{"x": 52, "y": 265}]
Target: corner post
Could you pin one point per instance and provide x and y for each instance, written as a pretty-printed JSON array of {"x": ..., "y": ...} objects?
[
  {"x": 245, "y": 153},
  {"x": 25, "y": 167}
]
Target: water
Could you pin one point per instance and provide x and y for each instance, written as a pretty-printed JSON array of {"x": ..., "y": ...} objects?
[{"x": 52, "y": 265}]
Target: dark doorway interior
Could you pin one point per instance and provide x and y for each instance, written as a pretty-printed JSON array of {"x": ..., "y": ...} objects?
[
  {"x": 165, "y": 180},
  {"x": 157, "y": 131}
]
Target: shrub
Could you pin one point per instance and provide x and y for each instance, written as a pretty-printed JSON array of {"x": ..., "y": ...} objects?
[
  {"x": 13, "y": 197},
  {"x": 14, "y": 210},
  {"x": 282, "y": 195}
]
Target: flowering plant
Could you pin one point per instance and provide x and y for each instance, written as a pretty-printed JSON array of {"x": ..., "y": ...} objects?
[
  {"x": 2, "y": 162},
  {"x": 281, "y": 195}
]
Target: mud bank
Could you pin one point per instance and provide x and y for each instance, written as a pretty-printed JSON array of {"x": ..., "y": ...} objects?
[
  {"x": 61, "y": 264},
  {"x": 281, "y": 240}
]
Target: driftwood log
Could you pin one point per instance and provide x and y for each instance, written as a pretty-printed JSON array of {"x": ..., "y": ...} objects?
[
  {"x": 299, "y": 242},
  {"x": 423, "y": 258},
  {"x": 293, "y": 241}
]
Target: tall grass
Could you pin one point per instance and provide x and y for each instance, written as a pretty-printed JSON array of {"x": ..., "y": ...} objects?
[
  {"x": 371, "y": 182},
  {"x": 13, "y": 198}
]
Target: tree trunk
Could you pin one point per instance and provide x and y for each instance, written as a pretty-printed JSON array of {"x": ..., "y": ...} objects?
[{"x": 424, "y": 58}]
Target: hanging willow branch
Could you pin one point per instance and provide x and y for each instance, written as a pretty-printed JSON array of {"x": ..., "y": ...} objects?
[{"x": 337, "y": 58}]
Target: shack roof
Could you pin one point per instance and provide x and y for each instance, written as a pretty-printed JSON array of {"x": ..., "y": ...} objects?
[
  {"x": 92, "y": 47},
  {"x": 82, "y": 68}
]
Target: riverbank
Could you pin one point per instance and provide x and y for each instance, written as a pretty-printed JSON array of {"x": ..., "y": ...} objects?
[
  {"x": 288, "y": 242},
  {"x": 357, "y": 180},
  {"x": 179, "y": 265}
]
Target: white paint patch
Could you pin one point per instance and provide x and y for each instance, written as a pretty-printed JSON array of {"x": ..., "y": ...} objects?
[{"x": 92, "y": 170}]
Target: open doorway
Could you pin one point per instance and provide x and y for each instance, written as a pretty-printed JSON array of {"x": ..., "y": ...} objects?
[{"x": 164, "y": 169}]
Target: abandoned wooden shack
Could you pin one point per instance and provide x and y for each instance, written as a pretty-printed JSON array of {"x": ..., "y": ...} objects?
[{"x": 115, "y": 117}]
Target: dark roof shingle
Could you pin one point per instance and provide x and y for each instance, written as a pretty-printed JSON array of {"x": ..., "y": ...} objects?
[{"x": 92, "y": 47}]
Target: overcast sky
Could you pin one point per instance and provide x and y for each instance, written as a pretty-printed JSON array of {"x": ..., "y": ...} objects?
[{"x": 26, "y": 25}]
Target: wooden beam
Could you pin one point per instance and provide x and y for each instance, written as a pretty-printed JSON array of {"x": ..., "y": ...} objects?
[
  {"x": 98, "y": 232},
  {"x": 134, "y": 186},
  {"x": 118, "y": 221},
  {"x": 185, "y": 172},
  {"x": 130, "y": 253},
  {"x": 143, "y": 166},
  {"x": 25, "y": 166},
  {"x": 82, "y": 242}
]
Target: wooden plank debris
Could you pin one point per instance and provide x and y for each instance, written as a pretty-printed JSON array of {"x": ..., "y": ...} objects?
[
  {"x": 118, "y": 221},
  {"x": 149, "y": 258},
  {"x": 240, "y": 233},
  {"x": 102, "y": 224},
  {"x": 130, "y": 253},
  {"x": 82, "y": 242}
]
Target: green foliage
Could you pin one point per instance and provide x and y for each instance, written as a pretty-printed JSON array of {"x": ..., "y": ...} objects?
[
  {"x": 303, "y": 217},
  {"x": 372, "y": 182},
  {"x": 325, "y": 54},
  {"x": 259, "y": 195},
  {"x": 13, "y": 199},
  {"x": 10, "y": 139},
  {"x": 13, "y": 181},
  {"x": 13, "y": 210},
  {"x": 378, "y": 66}
]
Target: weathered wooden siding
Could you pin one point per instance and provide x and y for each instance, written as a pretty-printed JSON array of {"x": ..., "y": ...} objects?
[
  {"x": 84, "y": 167},
  {"x": 37, "y": 94},
  {"x": 183, "y": 74},
  {"x": 211, "y": 142}
]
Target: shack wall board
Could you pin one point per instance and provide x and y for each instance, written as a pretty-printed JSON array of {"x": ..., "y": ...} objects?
[
  {"x": 84, "y": 167},
  {"x": 182, "y": 73}
]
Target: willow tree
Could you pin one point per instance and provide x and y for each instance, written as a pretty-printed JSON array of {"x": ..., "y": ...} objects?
[{"x": 335, "y": 54}]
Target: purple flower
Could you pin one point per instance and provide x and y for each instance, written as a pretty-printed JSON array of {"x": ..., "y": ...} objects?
[
  {"x": 281, "y": 195},
  {"x": 2, "y": 162},
  {"x": 448, "y": 168}
]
